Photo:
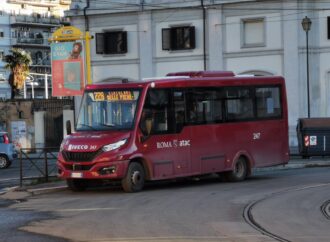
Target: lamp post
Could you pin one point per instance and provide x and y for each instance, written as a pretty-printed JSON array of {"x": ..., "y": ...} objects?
[{"x": 306, "y": 24}]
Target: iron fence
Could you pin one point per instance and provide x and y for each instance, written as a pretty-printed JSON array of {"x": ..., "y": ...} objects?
[{"x": 38, "y": 163}]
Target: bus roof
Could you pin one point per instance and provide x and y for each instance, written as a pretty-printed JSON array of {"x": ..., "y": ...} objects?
[{"x": 192, "y": 79}]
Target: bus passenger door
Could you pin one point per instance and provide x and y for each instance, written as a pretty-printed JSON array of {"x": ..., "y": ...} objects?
[
  {"x": 204, "y": 107},
  {"x": 164, "y": 142}
]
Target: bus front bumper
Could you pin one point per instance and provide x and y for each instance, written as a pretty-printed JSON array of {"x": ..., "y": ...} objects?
[{"x": 105, "y": 170}]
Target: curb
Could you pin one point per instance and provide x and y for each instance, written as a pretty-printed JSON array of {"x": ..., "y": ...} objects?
[
  {"x": 8, "y": 189},
  {"x": 295, "y": 165},
  {"x": 40, "y": 191}
]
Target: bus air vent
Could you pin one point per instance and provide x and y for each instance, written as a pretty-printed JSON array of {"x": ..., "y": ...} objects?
[{"x": 80, "y": 156}]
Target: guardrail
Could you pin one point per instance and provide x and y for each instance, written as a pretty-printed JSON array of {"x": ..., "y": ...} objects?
[{"x": 38, "y": 163}]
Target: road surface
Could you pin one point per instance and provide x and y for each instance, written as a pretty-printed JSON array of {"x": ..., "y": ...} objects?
[{"x": 278, "y": 205}]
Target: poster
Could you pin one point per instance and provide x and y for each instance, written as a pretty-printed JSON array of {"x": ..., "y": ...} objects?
[
  {"x": 19, "y": 134},
  {"x": 67, "y": 68}
]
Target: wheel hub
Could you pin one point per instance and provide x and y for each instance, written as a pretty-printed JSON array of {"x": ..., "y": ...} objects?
[
  {"x": 2, "y": 162},
  {"x": 239, "y": 169},
  {"x": 136, "y": 177}
]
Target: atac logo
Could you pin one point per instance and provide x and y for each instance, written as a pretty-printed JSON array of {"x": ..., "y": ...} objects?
[{"x": 173, "y": 144}]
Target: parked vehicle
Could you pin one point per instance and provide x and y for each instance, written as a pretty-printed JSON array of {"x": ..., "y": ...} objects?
[
  {"x": 7, "y": 151},
  {"x": 187, "y": 124}
]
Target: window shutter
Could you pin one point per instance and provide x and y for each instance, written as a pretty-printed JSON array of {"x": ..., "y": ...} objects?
[
  {"x": 328, "y": 27},
  {"x": 124, "y": 46},
  {"x": 111, "y": 42},
  {"x": 166, "y": 39},
  {"x": 192, "y": 37},
  {"x": 99, "y": 43}
]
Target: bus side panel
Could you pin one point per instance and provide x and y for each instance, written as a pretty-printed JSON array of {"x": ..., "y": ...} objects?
[
  {"x": 208, "y": 151},
  {"x": 267, "y": 140},
  {"x": 214, "y": 147}
]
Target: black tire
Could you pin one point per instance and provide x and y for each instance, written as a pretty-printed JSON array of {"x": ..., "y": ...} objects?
[
  {"x": 77, "y": 185},
  {"x": 134, "y": 179},
  {"x": 4, "y": 162},
  {"x": 239, "y": 173}
]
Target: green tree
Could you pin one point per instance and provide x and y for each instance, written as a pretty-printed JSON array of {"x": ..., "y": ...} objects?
[{"x": 18, "y": 63}]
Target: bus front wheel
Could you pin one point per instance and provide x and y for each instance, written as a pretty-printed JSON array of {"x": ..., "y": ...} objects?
[
  {"x": 134, "y": 179},
  {"x": 239, "y": 172}
]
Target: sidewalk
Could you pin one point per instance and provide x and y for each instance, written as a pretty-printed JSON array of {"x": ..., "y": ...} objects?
[
  {"x": 17, "y": 193},
  {"x": 297, "y": 162}
]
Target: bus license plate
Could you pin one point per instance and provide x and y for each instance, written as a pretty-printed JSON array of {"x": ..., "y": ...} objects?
[{"x": 76, "y": 175}]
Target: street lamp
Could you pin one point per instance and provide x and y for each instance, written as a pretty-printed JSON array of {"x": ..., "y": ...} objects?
[{"x": 306, "y": 24}]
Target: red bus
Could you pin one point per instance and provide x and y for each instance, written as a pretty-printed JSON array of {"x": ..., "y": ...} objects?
[{"x": 187, "y": 124}]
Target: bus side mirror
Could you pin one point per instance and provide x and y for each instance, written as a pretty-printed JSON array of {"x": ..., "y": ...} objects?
[{"x": 68, "y": 127}]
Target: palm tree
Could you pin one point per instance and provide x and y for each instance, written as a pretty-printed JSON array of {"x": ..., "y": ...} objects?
[{"x": 18, "y": 63}]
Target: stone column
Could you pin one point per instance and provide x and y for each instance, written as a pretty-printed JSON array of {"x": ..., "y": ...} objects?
[
  {"x": 145, "y": 45},
  {"x": 215, "y": 39},
  {"x": 295, "y": 85}
]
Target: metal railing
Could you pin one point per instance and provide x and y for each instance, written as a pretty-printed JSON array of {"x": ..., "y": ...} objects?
[{"x": 38, "y": 163}]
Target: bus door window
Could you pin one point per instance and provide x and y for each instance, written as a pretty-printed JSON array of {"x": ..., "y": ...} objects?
[
  {"x": 179, "y": 110},
  {"x": 157, "y": 111},
  {"x": 146, "y": 121}
]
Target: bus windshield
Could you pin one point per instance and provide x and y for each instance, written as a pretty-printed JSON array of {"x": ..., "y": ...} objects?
[{"x": 108, "y": 110}]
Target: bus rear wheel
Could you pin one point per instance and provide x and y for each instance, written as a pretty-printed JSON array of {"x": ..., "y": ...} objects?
[
  {"x": 134, "y": 179},
  {"x": 239, "y": 172},
  {"x": 77, "y": 185}
]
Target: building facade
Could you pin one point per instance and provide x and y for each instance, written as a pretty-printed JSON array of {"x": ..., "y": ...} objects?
[
  {"x": 137, "y": 39},
  {"x": 28, "y": 25}
]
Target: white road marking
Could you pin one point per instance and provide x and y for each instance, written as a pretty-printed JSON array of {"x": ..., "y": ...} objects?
[{"x": 84, "y": 209}]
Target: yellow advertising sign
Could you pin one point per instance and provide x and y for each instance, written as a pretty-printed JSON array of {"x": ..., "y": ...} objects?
[{"x": 67, "y": 33}]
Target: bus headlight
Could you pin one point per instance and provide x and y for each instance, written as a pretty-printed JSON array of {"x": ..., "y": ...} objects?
[{"x": 114, "y": 146}]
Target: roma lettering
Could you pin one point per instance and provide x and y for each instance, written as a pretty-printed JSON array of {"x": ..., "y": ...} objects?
[{"x": 162, "y": 145}]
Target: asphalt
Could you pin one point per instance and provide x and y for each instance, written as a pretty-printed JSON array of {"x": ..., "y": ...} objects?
[{"x": 21, "y": 193}]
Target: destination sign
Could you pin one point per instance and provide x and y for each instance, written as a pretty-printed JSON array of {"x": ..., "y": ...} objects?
[{"x": 113, "y": 96}]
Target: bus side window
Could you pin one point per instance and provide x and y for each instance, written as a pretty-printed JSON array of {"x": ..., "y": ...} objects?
[
  {"x": 268, "y": 102},
  {"x": 239, "y": 103},
  {"x": 204, "y": 105}
]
